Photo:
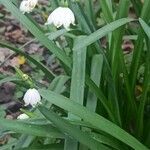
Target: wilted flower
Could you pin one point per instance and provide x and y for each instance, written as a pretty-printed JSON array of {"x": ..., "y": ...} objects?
[
  {"x": 32, "y": 97},
  {"x": 61, "y": 16},
  {"x": 23, "y": 116},
  {"x": 27, "y": 5}
]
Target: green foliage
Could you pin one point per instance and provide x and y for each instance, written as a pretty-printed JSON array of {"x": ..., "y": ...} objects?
[{"x": 93, "y": 104}]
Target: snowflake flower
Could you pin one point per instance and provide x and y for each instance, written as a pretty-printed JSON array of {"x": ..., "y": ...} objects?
[
  {"x": 61, "y": 16},
  {"x": 32, "y": 97},
  {"x": 27, "y": 6}
]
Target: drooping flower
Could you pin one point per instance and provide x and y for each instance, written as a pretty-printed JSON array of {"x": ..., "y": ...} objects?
[
  {"x": 23, "y": 116},
  {"x": 27, "y": 6},
  {"x": 61, "y": 16},
  {"x": 32, "y": 97}
]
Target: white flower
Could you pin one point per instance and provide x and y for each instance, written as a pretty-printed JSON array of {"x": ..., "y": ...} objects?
[
  {"x": 32, "y": 97},
  {"x": 23, "y": 116},
  {"x": 27, "y": 5},
  {"x": 61, "y": 16}
]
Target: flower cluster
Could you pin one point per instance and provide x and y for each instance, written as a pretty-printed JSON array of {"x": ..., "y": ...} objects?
[{"x": 61, "y": 16}]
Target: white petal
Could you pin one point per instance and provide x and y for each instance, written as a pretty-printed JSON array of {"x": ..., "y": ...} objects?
[
  {"x": 35, "y": 97},
  {"x": 27, "y": 97},
  {"x": 67, "y": 24}
]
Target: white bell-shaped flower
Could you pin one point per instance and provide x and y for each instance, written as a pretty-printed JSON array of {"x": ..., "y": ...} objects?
[
  {"x": 32, "y": 97},
  {"x": 23, "y": 116},
  {"x": 61, "y": 16},
  {"x": 28, "y": 5}
]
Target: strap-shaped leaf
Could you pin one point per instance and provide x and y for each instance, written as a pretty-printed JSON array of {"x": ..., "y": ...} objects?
[
  {"x": 31, "y": 129},
  {"x": 145, "y": 27},
  {"x": 102, "y": 32},
  {"x": 94, "y": 119},
  {"x": 69, "y": 129}
]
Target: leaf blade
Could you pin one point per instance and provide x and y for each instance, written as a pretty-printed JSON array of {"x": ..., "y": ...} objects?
[
  {"x": 67, "y": 128},
  {"x": 92, "y": 118},
  {"x": 102, "y": 32}
]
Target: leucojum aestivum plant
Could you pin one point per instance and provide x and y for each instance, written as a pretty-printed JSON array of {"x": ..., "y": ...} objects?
[{"x": 101, "y": 98}]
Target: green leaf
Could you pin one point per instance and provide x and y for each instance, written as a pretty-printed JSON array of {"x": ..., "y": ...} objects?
[
  {"x": 9, "y": 79},
  {"x": 137, "y": 6},
  {"x": 96, "y": 71},
  {"x": 94, "y": 119},
  {"x": 78, "y": 73},
  {"x": 115, "y": 52},
  {"x": 138, "y": 48},
  {"x": 80, "y": 16},
  {"x": 48, "y": 73},
  {"x": 145, "y": 91},
  {"x": 2, "y": 112},
  {"x": 71, "y": 130},
  {"x": 98, "y": 92},
  {"x": 108, "y": 15},
  {"x": 77, "y": 85},
  {"x": 58, "y": 83},
  {"x": 23, "y": 141},
  {"x": 56, "y": 34},
  {"x": 102, "y": 32},
  {"x": 145, "y": 27},
  {"x": 89, "y": 9},
  {"x": 112, "y": 142},
  {"x": 31, "y": 129},
  {"x": 44, "y": 147}
]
